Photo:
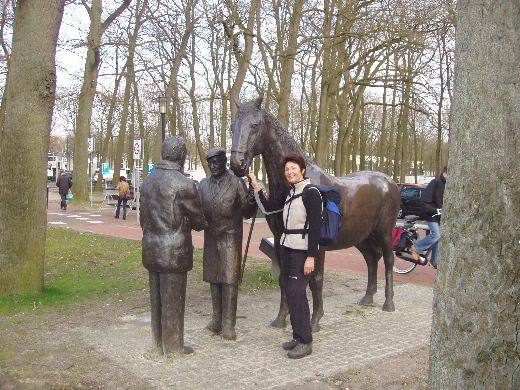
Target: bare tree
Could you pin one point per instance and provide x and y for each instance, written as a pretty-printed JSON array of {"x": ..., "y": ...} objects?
[
  {"x": 88, "y": 90},
  {"x": 475, "y": 330},
  {"x": 30, "y": 97}
]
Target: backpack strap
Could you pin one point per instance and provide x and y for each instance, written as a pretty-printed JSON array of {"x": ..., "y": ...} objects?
[{"x": 305, "y": 229}]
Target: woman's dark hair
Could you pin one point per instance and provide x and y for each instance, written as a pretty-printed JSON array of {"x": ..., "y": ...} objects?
[
  {"x": 297, "y": 159},
  {"x": 122, "y": 178}
]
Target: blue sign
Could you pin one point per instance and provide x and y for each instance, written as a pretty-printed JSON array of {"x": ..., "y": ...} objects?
[
  {"x": 105, "y": 168},
  {"x": 151, "y": 168}
]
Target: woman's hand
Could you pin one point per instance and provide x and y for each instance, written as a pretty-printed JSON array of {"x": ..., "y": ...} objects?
[
  {"x": 308, "y": 267},
  {"x": 253, "y": 181}
]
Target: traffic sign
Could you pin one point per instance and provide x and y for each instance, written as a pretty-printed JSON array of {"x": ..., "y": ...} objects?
[
  {"x": 138, "y": 148},
  {"x": 151, "y": 168},
  {"x": 90, "y": 144},
  {"x": 105, "y": 167}
]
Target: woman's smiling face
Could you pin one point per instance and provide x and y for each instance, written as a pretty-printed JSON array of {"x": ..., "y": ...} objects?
[{"x": 293, "y": 172}]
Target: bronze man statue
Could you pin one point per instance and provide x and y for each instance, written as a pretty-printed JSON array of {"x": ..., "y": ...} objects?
[
  {"x": 225, "y": 201},
  {"x": 170, "y": 209}
]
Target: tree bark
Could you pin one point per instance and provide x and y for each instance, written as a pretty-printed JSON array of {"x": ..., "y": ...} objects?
[
  {"x": 475, "y": 342},
  {"x": 23, "y": 149}
]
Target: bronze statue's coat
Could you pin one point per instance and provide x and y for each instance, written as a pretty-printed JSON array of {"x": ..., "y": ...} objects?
[
  {"x": 168, "y": 217},
  {"x": 224, "y": 206}
]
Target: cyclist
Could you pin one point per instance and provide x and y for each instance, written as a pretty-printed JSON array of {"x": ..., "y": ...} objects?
[{"x": 431, "y": 211}]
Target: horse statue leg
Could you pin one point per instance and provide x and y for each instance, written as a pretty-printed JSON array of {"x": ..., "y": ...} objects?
[
  {"x": 371, "y": 255},
  {"x": 316, "y": 286},
  {"x": 388, "y": 258},
  {"x": 371, "y": 249},
  {"x": 281, "y": 319}
]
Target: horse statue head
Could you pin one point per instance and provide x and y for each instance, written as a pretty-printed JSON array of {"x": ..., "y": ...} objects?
[{"x": 247, "y": 130}]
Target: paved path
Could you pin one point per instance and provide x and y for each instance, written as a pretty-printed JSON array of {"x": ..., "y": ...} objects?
[{"x": 351, "y": 336}]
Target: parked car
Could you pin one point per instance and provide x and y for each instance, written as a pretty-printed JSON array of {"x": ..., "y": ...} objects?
[
  {"x": 411, "y": 202},
  {"x": 403, "y": 186}
]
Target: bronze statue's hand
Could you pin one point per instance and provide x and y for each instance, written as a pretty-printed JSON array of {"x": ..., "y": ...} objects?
[{"x": 308, "y": 267}]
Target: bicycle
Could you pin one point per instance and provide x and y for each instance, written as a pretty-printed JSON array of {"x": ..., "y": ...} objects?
[{"x": 403, "y": 260}]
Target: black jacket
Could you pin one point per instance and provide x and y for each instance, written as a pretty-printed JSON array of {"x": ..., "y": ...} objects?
[
  {"x": 432, "y": 198},
  {"x": 64, "y": 182}
]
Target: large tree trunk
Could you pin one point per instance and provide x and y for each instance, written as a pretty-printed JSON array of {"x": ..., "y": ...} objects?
[
  {"x": 23, "y": 150},
  {"x": 475, "y": 342}
]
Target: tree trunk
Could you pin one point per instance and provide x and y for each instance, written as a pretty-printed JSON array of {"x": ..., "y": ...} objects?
[
  {"x": 287, "y": 63},
  {"x": 24, "y": 146},
  {"x": 86, "y": 101},
  {"x": 195, "y": 112},
  {"x": 474, "y": 342},
  {"x": 88, "y": 92}
]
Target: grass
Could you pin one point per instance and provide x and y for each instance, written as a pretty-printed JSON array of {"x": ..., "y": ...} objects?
[{"x": 84, "y": 266}]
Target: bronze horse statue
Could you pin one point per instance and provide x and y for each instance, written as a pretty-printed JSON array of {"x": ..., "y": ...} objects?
[{"x": 370, "y": 203}]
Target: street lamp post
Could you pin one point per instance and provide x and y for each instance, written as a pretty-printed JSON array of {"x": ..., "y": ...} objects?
[{"x": 162, "y": 109}]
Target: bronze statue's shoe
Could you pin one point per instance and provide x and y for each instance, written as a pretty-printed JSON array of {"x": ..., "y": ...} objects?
[
  {"x": 301, "y": 350},
  {"x": 288, "y": 345},
  {"x": 184, "y": 351},
  {"x": 214, "y": 326},
  {"x": 228, "y": 333},
  {"x": 414, "y": 253}
]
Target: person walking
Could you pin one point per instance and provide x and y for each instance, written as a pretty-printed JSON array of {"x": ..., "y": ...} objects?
[
  {"x": 301, "y": 206},
  {"x": 432, "y": 198},
  {"x": 225, "y": 203},
  {"x": 170, "y": 209},
  {"x": 64, "y": 183},
  {"x": 122, "y": 186}
]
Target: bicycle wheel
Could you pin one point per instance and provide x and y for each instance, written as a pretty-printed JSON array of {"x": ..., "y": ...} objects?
[{"x": 402, "y": 266}]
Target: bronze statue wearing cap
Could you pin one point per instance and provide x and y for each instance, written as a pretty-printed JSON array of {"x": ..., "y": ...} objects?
[{"x": 225, "y": 202}]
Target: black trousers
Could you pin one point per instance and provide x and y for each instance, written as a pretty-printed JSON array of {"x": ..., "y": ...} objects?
[{"x": 296, "y": 283}]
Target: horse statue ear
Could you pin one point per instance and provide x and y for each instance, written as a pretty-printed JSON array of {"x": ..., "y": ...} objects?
[
  {"x": 237, "y": 102},
  {"x": 258, "y": 102}
]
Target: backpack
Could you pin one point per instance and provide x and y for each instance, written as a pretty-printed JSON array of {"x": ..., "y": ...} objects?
[{"x": 330, "y": 214}]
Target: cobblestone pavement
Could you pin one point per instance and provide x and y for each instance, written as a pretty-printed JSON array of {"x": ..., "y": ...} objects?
[{"x": 351, "y": 337}]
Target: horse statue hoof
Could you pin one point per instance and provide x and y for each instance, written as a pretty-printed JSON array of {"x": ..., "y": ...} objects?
[
  {"x": 389, "y": 306},
  {"x": 366, "y": 300},
  {"x": 278, "y": 323}
]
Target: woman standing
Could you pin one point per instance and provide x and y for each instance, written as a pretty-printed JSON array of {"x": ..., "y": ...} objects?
[
  {"x": 122, "y": 186},
  {"x": 301, "y": 207}
]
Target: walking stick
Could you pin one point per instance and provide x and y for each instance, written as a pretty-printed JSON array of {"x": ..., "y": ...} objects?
[{"x": 243, "y": 265}]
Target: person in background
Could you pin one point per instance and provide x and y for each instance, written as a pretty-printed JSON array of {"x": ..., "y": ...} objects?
[
  {"x": 122, "y": 186},
  {"x": 63, "y": 183},
  {"x": 432, "y": 198},
  {"x": 298, "y": 251}
]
